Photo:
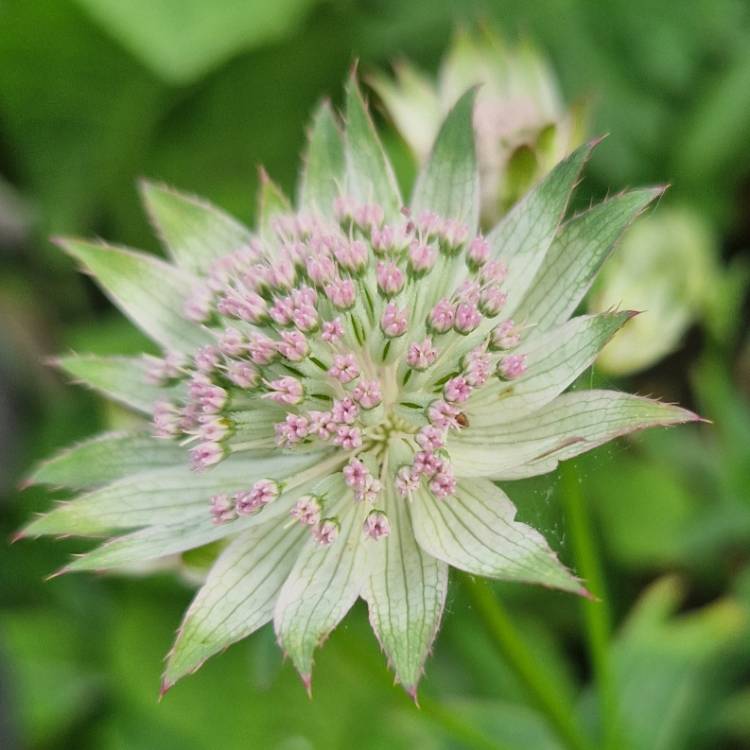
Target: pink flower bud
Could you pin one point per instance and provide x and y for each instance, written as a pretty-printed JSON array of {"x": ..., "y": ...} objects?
[
  {"x": 427, "y": 463},
  {"x": 512, "y": 366},
  {"x": 345, "y": 411},
  {"x": 232, "y": 342},
  {"x": 222, "y": 509},
  {"x": 468, "y": 318},
  {"x": 320, "y": 268},
  {"x": 442, "y": 316},
  {"x": 341, "y": 293},
  {"x": 478, "y": 253},
  {"x": 377, "y": 525},
  {"x": 393, "y": 322},
  {"x": 457, "y": 390},
  {"x": 505, "y": 336},
  {"x": 368, "y": 394},
  {"x": 344, "y": 368},
  {"x": 261, "y": 494},
  {"x": 286, "y": 391},
  {"x": 421, "y": 258},
  {"x": 262, "y": 349},
  {"x": 407, "y": 481},
  {"x": 348, "y": 437},
  {"x": 390, "y": 278},
  {"x": 293, "y": 346},
  {"x": 443, "y": 485},
  {"x": 421, "y": 355},
  {"x": 352, "y": 256},
  {"x": 493, "y": 300},
  {"x": 243, "y": 374},
  {"x": 333, "y": 330},
  {"x": 356, "y": 474},
  {"x": 205, "y": 455},
  {"x": 430, "y": 438},
  {"x": 443, "y": 415},
  {"x": 326, "y": 532},
  {"x": 307, "y": 510},
  {"x": 454, "y": 232}
]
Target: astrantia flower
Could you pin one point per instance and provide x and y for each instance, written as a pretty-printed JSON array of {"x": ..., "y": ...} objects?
[
  {"x": 522, "y": 126},
  {"x": 340, "y": 388}
]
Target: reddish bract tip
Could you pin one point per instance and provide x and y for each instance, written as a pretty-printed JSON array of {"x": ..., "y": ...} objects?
[
  {"x": 164, "y": 688},
  {"x": 17, "y": 536},
  {"x": 307, "y": 682},
  {"x": 57, "y": 573},
  {"x": 411, "y": 691}
]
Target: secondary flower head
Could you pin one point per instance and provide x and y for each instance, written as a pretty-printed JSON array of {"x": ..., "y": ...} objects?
[
  {"x": 340, "y": 388},
  {"x": 522, "y": 126}
]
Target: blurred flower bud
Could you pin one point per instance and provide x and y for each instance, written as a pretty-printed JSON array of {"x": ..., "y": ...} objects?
[
  {"x": 521, "y": 124},
  {"x": 664, "y": 267}
]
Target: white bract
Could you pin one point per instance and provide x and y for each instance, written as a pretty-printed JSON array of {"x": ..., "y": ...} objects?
[{"x": 340, "y": 388}]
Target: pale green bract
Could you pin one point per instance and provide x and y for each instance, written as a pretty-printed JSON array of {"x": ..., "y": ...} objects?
[{"x": 351, "y": 384}]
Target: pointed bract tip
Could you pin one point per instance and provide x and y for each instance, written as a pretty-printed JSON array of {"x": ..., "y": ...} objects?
[
  {"x": 59, "y": 240},
  {"x": 411, "y": 691},
  {"x": 164, "y": 688},
  {"x": 586, "y": 594},
  {"x": 61, "y": 571},
  {"x": 632, "y": 313},
  {"x": 307, "y": 682},
  {"x": 17, "y": 536},
  {"x": 263, "y": 176},
  {"x": 693, "y": 417},
  {"x": 24, "y": 484},
  {"x": 594, "y": 142},
  {"x": 353, "y": 71}
]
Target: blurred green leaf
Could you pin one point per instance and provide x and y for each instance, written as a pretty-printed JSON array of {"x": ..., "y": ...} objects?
[
  {"x": 180, "y": 40},
  {"x": 673, "y": 670}
]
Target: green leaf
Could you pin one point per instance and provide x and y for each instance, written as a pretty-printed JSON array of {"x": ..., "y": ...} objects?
[
  {"x": 576, "y": 255},
  {"x": 323, "y": 164},
  {"x": 405, "y": 594},
  {"x": 369, "y": 174},
  {"x": 523, "y": 237},
  {"x": 120, "y": 378},
  {"x": 554, "y": 360},
  {"x": 572, "y": 424},
  {"x": 148, "y": 290},
  {"x": 181, "y": 40},
  {"x": 448, "y": 184},
  {"x": 689, "y": 661},
  {"x": 476, "y": 531},
  {"x": 238, "y": 596},
  {"x": 193, "y": 231},
  {"x": 105, "y": 458},
  {"x": 163, "y": 496},
  {"x": 321, "y": 588}
]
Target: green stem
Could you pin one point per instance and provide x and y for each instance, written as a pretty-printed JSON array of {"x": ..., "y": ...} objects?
[
  {"x": 596, "y": 613},
  {"x": 461, "y": 731},
  {"x": 529, "y": 670}
]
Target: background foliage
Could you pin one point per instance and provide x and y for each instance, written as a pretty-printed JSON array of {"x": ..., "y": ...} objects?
[{"x": 95, "y": 93}]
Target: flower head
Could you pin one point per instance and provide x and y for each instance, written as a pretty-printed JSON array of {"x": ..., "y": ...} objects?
[{"x": 337, "y": 394}]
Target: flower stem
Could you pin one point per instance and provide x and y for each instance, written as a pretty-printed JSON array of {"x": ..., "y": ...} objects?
[
  {"x": 528, "y": 669},
  {"x": 596, "y": 612},
  {"x": 454, "y": 726}
]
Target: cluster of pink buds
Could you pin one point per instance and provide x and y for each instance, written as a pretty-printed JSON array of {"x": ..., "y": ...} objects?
[
  {"x": 225, "y": 507},
  {"x": 311, "y": 326}
]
